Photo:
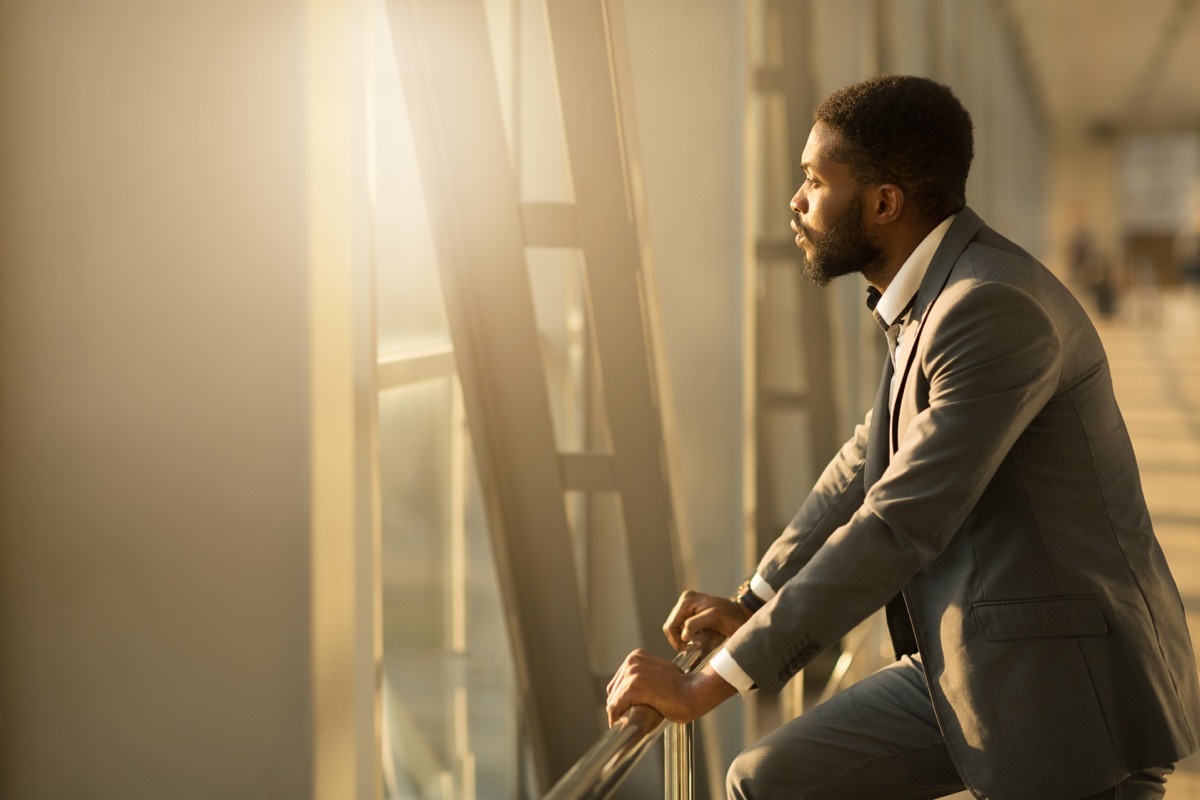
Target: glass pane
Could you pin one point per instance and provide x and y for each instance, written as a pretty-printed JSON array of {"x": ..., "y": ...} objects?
[
  {"x": 451, "y": 699},
  {"x": 785, "y": 464},
  {"x": 408, "y": 292},
  {"x": 782, "y": 356},
  {"x": 414, "y": 428},
  {"x": 572, "y": 380},
  {"x": 542, "y": 172},
  {"x": 451, "y": 705}
]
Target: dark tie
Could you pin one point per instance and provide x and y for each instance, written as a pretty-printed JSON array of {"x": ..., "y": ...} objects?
[
  {"x": 873, "y": 296},
  {"x": 877, "y": 457}
]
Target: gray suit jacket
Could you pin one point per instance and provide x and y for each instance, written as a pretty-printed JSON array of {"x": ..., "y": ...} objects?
[{"x": 1012, "y": 522}]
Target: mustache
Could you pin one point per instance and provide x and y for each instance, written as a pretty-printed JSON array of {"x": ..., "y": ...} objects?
[{"x": 804, "y": 229}]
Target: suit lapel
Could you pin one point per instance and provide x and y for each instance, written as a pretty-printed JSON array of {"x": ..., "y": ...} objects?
[{"x": 960, "y": 234}]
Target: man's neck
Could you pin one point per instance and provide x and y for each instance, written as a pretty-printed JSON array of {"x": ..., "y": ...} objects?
[{"x": 897, "y": 248}]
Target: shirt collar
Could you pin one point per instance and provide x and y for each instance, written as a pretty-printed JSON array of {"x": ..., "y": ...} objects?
[{"x": 903, "y": 288}]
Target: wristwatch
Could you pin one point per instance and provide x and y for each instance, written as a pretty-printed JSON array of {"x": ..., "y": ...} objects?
[{"x": 748, "y": 599}]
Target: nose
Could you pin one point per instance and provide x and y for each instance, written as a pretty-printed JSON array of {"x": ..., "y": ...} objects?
[{"x": 799, "y": 204}]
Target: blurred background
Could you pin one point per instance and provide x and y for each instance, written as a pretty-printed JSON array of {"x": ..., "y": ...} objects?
[{"x": 375, "y": 373}]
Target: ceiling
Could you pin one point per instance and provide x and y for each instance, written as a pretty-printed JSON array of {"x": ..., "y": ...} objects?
[{"x": 1111, "y": 66}]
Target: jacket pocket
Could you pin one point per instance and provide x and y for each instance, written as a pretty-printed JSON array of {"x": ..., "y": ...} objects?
[{"x": 1039, "y": 617}]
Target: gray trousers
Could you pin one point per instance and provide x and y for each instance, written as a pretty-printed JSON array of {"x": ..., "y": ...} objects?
[{"x": 878, "y": 739}]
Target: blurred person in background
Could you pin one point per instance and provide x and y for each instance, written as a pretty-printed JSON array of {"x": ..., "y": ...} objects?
[{"x": 1187, "y": 250}]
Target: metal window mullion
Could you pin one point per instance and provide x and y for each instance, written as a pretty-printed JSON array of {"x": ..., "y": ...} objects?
[
  {"x": 405, "y": 367},
  {"x": 613, "y": 264}
]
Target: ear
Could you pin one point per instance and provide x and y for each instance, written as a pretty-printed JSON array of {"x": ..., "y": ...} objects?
[{"x": 888, "y": 203}]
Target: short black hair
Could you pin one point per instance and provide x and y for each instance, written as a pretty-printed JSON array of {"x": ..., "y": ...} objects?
[{"x": 906, "y": 130}]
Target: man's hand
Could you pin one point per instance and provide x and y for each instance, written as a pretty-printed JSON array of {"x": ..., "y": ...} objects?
[
  {"x": 647, "y": 680},
  {"x": 697, "y": 612}
]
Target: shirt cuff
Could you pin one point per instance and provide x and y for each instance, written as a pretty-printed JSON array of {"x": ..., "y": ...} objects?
[
  {"x": 724, "y": 665},
  {"x": 761, "y": 588}
]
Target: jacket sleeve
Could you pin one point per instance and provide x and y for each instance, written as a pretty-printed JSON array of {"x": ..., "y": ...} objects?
[{"x": 992, "y": 359}]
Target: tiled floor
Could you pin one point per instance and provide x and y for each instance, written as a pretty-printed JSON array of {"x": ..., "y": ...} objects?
[{"x": 1155, "y": 357}]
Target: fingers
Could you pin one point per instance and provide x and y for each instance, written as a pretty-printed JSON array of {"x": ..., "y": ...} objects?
[
  {"x": 688, "y": 604},
  {"x": 673, "y": 627},
  {"x": 674, "y": 634},
  {"x": 707, "y": 620},
  {"x": 619, "y": 676},
  {"x": 619, "y": 688},
  {"x": 642, "y": 679},
  {"x": 695, "y": 612},
  {"x": 618, "y": 702},
  {"x": 723, "y": 616}
]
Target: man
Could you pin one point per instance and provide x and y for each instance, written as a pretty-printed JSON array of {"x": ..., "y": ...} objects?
[{"x": 990, "y": 501}]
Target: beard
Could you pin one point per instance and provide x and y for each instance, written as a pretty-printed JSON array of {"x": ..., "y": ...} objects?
[{"x": 844, "y": 248}]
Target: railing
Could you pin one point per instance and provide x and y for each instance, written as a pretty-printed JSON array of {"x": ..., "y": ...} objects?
[{"x": 602, "y": 768}]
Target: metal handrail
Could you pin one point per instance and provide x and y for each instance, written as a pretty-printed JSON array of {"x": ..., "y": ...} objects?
[{"x": 600, "y": 771}]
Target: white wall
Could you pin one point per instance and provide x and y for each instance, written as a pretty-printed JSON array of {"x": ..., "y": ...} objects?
[{"x": 154, "y": 498}]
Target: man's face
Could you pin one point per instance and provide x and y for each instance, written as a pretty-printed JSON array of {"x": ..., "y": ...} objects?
[{"x": 828, "y": 209}]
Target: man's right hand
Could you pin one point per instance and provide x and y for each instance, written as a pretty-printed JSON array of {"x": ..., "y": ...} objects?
[{"x": 697, "y": 612}]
